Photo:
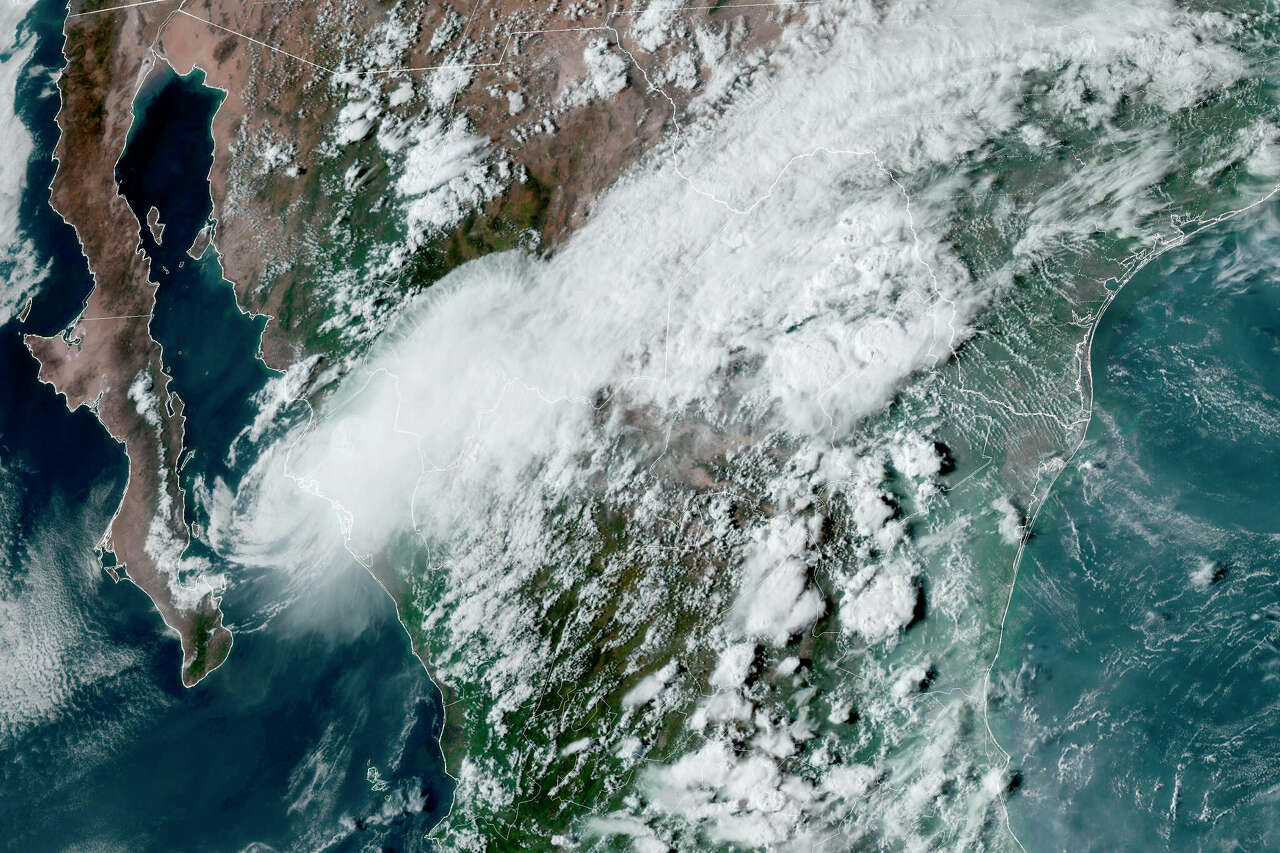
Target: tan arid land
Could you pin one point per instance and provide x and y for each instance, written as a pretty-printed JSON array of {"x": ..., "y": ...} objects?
[{"x": 275, "y": 60}]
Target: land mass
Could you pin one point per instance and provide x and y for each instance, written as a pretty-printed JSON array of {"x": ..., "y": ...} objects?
[
  {"x": 573, "y": 106},
  {"x": 107, "y": 360}
]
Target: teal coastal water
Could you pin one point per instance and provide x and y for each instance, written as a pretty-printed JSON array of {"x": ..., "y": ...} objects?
[{"x": 1139, "y": 687}]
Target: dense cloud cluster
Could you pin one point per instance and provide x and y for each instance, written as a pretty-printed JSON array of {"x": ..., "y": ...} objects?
[{"x": 678, "y": 427}]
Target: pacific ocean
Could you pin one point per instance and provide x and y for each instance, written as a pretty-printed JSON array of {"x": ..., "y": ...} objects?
[{"x": 321, "y": 729}]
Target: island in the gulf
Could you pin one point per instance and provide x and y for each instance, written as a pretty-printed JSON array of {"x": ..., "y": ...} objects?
[
  {"x": 273, "y": 70},
  {"x": 692, "y": 380}
]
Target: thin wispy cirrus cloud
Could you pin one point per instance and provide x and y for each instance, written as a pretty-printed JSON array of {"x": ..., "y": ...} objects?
[{"x": 772, "y": 277}]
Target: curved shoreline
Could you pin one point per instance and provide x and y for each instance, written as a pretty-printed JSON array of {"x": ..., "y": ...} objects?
[
  {"x": 100, "y": 365},
  {"x": 1140, "y": 261}
]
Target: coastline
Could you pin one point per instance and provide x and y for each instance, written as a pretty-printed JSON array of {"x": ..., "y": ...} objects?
[
  {"x": 107, "y": 350},
  {"x": 175, "y": 419},
  {"x": 111, "y": 53},
  {"x": 1138, "y": 263}
]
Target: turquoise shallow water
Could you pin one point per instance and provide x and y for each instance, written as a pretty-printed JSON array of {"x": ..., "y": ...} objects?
[
  {"x": 1140, "y": 683},
  {"x": 1139, "y": 687}
]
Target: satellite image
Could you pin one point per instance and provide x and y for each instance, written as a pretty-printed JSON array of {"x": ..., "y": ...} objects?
[{"x": 596, "y": 425}]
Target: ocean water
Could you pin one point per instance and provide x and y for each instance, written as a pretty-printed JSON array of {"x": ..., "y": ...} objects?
[
  {"x": 321, "y": 730},
  {"x": 209, "y": 346},
  {"x": 1136, "y": 692},
  {"x": 1141, "y": 674}
]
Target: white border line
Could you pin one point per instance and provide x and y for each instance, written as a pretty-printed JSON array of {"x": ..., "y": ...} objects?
[{"x": 115, "y": 8}]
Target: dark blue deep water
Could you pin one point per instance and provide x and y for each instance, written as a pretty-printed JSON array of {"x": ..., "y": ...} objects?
[
  {"x": 1141, "y": 671},
  {"x": 209, "y": 346},
  {"x": 320, "y": 730}
]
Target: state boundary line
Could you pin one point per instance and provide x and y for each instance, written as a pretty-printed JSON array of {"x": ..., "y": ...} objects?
[
  {"x": 781, "y": 4},
  {"x": 410, "y": 69},
  {"x": 115, "y": 8},
  {"x": 250, "y": 38}
]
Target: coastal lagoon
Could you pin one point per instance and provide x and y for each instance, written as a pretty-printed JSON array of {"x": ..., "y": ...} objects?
[
  {"x": 700, "y": 622},
  {"x": 1141, "y": 665}
]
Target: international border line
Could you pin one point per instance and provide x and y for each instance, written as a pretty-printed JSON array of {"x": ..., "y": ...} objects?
[
  {"x": 256, "y": 41},
  {"x": 115, "y": 8},
  {"x": 500, "y": 61},
  {"x": 781, "y": 4}
]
